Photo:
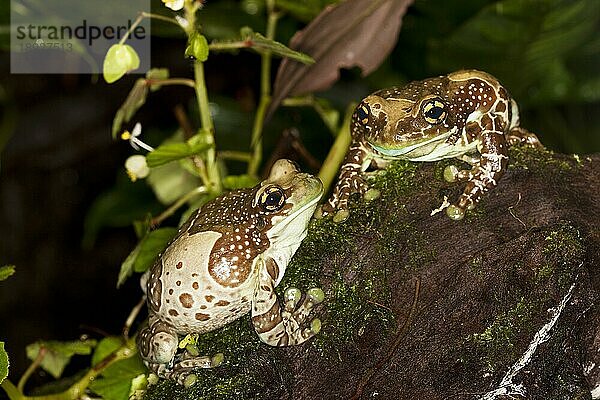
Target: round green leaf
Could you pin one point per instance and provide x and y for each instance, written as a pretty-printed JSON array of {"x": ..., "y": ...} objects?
[
  {"x": 120, "y": 59},
  {"x": 197, "y": 47}
]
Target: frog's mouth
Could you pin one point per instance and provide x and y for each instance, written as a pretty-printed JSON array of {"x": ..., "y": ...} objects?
[
  {"x": 433, "y": 149},
  {"x": 399, "y": 152}
]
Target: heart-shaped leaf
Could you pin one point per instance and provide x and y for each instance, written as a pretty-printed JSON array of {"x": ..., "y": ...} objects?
[
  {"x": 119, "y": 59},
  {"x": 352, "y": 33}
]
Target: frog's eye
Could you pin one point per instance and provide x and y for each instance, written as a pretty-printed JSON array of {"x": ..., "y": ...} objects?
[
  {"x": 272, "y": 198},
  {"x": 362, "y": 112},
  {"x": 434, "y": 111}
]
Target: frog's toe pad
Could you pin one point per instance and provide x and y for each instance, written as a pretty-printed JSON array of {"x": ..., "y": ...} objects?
[
  {"x": 189, "y": 380},
  {"x": 316, "y": 295},
  {"x": 454, "y": 212},
  {"x": 372, "y": 194},
  {"x": 341, "y": 215},
  {"x": 315, "y": 326},
  {"x": 450, "y": 173}
]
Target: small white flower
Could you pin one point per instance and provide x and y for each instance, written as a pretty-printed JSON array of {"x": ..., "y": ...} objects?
[
  {"x": 174, "y": 5},
  {"x": 136, "y": 167},
  {"x": 135, "y": 142}
]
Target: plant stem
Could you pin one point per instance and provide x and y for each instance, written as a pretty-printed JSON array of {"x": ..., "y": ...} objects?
[
  {"x": 334, "y": 159},
  {"x": 175, "y": 206},
  {"x": 214, "y": 179},
  {"x": 172, "y": 81},
  {"x": 161, "y": 18},
  {"x": 234, "y": 155},
  {"x": 11, "y": 390},
  {"x": 265, "y": 93},
  {"x": 240, "y": 44},
  {"x": 133, "y": 26},
  {"x": 32, "y": 367}
]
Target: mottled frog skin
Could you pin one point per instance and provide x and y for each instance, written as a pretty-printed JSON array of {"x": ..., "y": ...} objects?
[
  {"x": 225, "y": 262},
  {"x": 466, "y": 114}
]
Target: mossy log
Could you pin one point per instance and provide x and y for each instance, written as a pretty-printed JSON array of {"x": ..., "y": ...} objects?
[{"x": 503, "y": 304}]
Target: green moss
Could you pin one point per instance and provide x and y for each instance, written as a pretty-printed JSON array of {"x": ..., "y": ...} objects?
[
  {"x": 563, "y": 249},
  {"x": 495, "y": 347},
  {"x": 526, "y": 157}
]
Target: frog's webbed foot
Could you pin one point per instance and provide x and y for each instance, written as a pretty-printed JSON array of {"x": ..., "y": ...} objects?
[
  {"x": 183, "y": 368},
  {"x": 518, "y": 135},
  {"x": 337, "y": 205},
  {"x": 484, "y": 175},
  {"x": 158, "y": 343},
  {"x": 288, "y": 326}
]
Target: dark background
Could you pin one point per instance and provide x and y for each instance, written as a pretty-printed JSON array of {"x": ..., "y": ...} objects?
[{"x": 58, "y": 157}]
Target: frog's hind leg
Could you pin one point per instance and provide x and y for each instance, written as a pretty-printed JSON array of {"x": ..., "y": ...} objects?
[
  {"x": 158, "y": 343},
  {"x": 286, "y": 327},
  {"x": 518, "y": 135}
]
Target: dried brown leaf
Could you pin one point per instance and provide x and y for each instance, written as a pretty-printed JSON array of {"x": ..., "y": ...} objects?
[{"x": 353, "y": 33}]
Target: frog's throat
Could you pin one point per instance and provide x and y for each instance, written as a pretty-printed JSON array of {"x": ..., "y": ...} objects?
[{"x": 281, "y": 230}]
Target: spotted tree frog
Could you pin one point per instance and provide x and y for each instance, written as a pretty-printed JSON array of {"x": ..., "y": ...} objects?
[
  {"x": 466, "y": 114},
  {"x": 226, "y": 261}
]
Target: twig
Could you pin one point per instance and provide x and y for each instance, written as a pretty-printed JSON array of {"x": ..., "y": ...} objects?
[
  {"x": 132, "y": 316},
  {"x": 510, "y": 210},
  {"x": 181, "y": 201},
  {"x": 32, "y": 367},
  {"x": 183, "y": 120}
]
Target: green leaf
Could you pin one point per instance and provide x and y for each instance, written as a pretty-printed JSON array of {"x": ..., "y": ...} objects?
[
  {"x": 151, "y": 246},
  {"x": 127, "y": 265},
  {"x": 133, "y": 102},
  {"x": 105, "y": 347},
  {"x": 120, "y": 59},
  {"x": 58, "y": 354},
  {"x": 115, "y": 382},
  {"x": 4, "y": 363},
  {"x": 260, "y": 44},
  {"x": 197, "y": 47},
  {"x": 143, "y": 255},
  {"x": 171, "y": 181},
  {"x": 6, "y": 271},
  {"x": 172, "y": 152},
  {"x": 239, "y": 181}
]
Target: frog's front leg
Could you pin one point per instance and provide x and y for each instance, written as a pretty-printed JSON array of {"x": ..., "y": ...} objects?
[
  {"x": 158, "y": 343},
  {"x": 484, "y": 175},
  {"x": 275, "y": 326},
  {"x": 350, "y": 180}
]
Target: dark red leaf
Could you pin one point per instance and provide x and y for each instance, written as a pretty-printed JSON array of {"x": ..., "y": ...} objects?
[{"x": 352, "y": 33}]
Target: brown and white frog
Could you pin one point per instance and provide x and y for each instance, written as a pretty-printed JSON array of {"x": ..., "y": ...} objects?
[
  {"x": 466, "y": 114},
  {"x": 225, "y": 262}
]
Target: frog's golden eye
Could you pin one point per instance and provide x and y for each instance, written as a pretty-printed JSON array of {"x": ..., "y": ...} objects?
[
  {"x": 434, "y": 111},
  {"x": 362, "y": 112},
  {"x": 272, "y": 198}
]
